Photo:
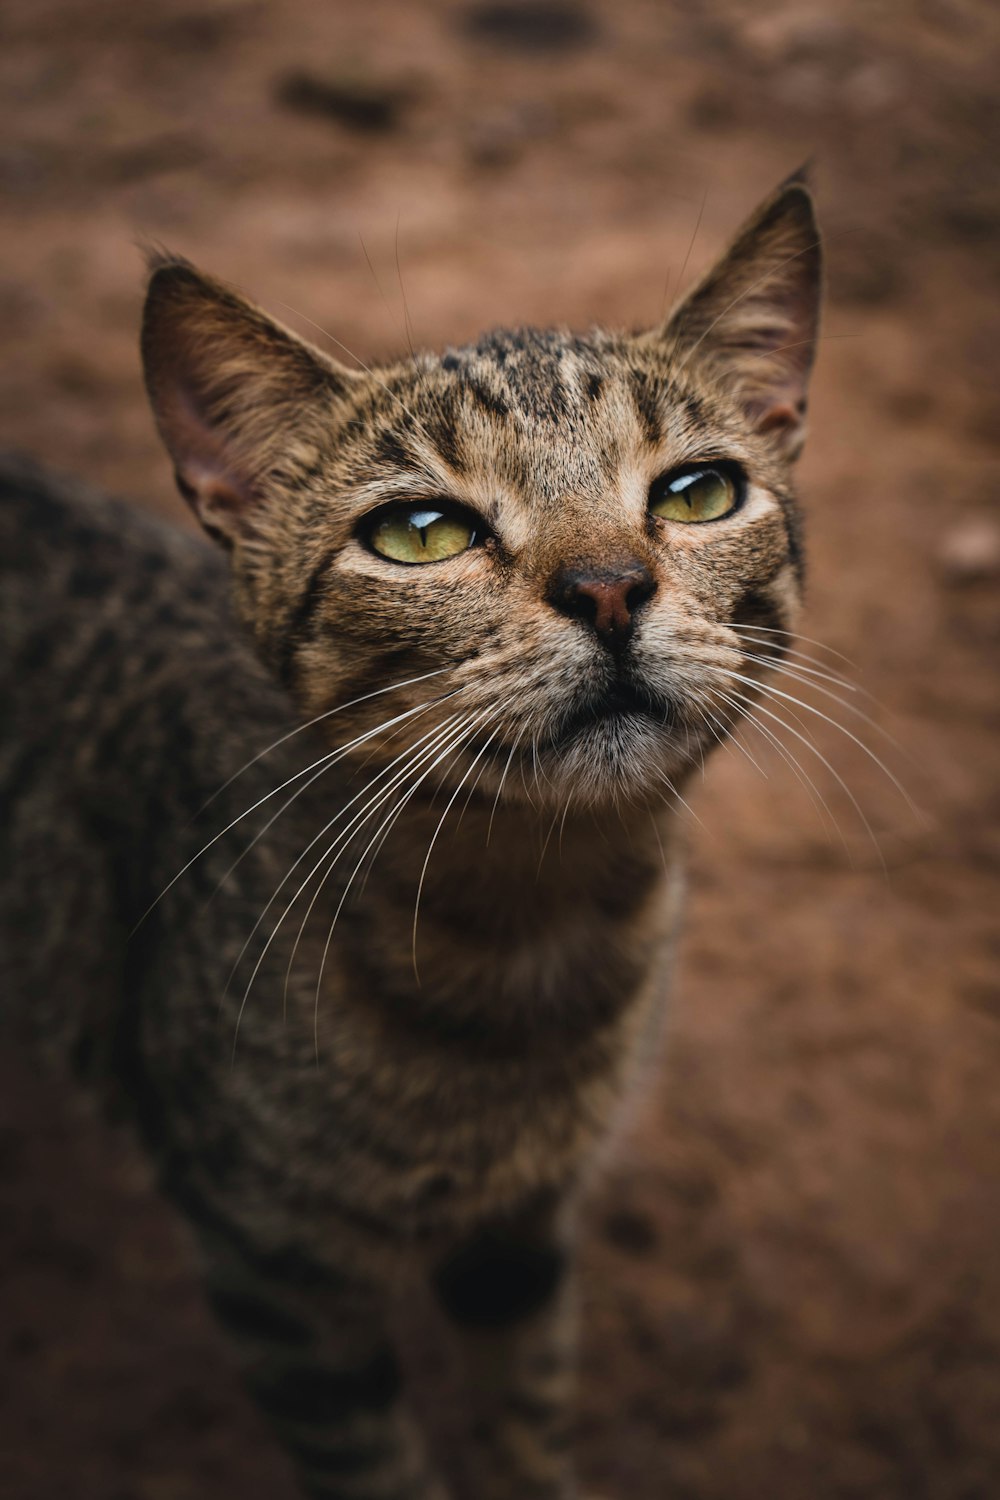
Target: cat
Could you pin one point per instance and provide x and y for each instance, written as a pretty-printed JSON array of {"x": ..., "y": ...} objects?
[{"x": 370, "y": 925}]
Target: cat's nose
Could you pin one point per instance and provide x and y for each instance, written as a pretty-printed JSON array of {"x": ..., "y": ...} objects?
[{"x": 606, "y": 599}]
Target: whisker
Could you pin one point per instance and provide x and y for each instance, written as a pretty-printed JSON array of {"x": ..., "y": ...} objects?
[
  {"x": 743, "y": 707},
  {"x": 727, "y": 739},
  {"x": 367, "y": 368},
  {"x": 329, "y": 714},
  {"x": 562, "y": 825},
  {"x": 471, "y": 793},
  {"x": 803, "y": 661},
  {"x": 766, "y": 276},
  {"x": 267, "y": 826},
  {"x": 794, "y": 635},
  {"x": 774, "y": 692},
  {"x": 794, "y": 674},
  {"x": 375, "y": 278},
  {"x": 545, "y": 844},
  {"x": 820, "y": 338},
  {"x": 691, "y": 242},
  {"x": 503, "y": 778},
  {"x": 378, "y": 846},
  {"x": 410, "y": 713},
  {"x": 683, "y": 801},
  {"x": 327, "y": 759},
  {"x": 311, "y": 845},
  {"x": 465, "y": 729},
  {"x": 659, "y": 843},
  {"x": 759, "y": 707},
  {"x": 430, "y": 848},
  {"x": 402, "y": 292},
  {"x": 435, "y": 737}
]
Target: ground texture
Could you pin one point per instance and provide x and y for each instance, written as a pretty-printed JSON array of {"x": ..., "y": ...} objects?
[{"x": 793, "y": 1273}]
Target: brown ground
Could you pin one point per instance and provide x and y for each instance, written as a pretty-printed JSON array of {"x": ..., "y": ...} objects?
[{"x": 794, "y": 1265}]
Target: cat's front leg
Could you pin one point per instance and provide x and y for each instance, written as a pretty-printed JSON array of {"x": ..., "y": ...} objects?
[
  {"x": 316, "y": 1357},
  {"x": 509, "y": 1292}
]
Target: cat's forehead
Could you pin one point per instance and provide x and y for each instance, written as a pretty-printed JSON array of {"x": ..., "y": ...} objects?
[
  {"x": 546, "y": 375},
  {"x": 552, "y": 414}
]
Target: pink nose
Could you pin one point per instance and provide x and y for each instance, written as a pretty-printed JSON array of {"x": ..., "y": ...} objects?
[{"x": 605, "y": 599}]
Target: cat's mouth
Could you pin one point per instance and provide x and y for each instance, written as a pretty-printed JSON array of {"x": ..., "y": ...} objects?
[{"x": 622, "y": 700}]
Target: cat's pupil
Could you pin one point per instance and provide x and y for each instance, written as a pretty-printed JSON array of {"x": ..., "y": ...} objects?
[{"x": 422, "y": 519}]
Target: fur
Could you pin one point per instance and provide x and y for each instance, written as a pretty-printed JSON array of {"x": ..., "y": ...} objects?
[{"x": 377, "y": 1006}]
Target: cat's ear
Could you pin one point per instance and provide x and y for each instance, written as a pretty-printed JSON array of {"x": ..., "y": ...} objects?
[
  {"x": 753, "y": 319},
  {"x": 233, "y": 392}
]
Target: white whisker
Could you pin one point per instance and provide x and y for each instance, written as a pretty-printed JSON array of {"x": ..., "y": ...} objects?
[
  {"x": 794, "y": 635},
  {"x": 503, "y": 778},
  {"x": 325, "y": 829},
  {"x": 328, "y": 759},
  {"x": 759, "y": 707},
  {"x": 743, "y": 706},
  {"x": 774, "y": 692},
  {"x": 465, "y": 729},
  {"x": 434, "y": 739},
  {"x": 329, "y": 714},
  {"x": 430, "y": 847}
]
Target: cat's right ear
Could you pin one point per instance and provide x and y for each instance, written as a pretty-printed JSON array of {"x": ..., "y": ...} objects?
[
  {"x": 235, "y": 395},
  {"x": 752, "y": 321}
]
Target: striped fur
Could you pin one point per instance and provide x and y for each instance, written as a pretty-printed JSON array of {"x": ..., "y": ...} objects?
[{"x": 421, "y": 1097}]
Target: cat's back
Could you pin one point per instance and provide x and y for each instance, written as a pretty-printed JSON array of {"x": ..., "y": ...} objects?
[
  {"x": 125, "y": 694},
  {"x": 84, "y": 576},
  {"x": 109, "y": 621}
]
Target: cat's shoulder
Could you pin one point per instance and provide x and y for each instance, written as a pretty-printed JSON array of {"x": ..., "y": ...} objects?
[{"x": 47, "y": 516}]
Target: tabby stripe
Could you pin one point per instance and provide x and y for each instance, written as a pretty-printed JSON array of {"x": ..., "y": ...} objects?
[
  {"x": 793, "y": 534},
  {"x": 298, "y": 626},
  {"x": 490, "y": 401},
  {"x": 350, "y": 1458},
  {"x": 444, "y": 435},
  {"x": 391, "y": 449},
  {"x": 24, "y": 772},
  {"x": 261, "y": 1320},
  {"x": 314, "y": 1394},
  {"x": 288, "y": 1264},
  {"x": 647, "y": 404},
  {"x": 532, "y": 1409},
  {"x": 386, "y": 1463},
  {"x": 497, "y": 1459},
  {"x": 753, "y": 606},
  {"x": 410, "y": 1485}
]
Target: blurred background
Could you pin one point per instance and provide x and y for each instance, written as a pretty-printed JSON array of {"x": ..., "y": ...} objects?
[{"x": 793, "y": 1267}]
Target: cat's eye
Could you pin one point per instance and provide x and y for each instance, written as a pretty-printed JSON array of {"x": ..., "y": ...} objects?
[
  {"x": 421, "y": 533},
  {"x": 697, "y": 494}
]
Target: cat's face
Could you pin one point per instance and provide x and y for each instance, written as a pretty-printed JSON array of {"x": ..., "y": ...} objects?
[{"x": 544, "y": 560}]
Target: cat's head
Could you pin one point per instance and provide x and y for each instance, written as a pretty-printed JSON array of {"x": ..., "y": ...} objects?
[{"x": 562, "y": 554}]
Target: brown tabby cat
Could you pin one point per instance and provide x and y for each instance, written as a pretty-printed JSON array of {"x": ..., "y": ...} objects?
[{"x": 378, "y": 1004}]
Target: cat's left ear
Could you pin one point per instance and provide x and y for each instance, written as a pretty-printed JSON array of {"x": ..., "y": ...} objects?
[
  {"x": 753, "y": 319},
  {"x": 237, "y": 397}
]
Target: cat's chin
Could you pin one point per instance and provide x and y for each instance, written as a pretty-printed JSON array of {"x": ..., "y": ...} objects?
[{"x": 627, "y": 758}]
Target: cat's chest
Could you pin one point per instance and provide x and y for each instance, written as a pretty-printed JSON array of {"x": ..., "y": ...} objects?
[
  {"x": 491, "y": 1080},
  {"x": 434, "y": 1138}
]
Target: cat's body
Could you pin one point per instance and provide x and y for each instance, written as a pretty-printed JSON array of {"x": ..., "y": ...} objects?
[{"x": 421, "y": 1095}]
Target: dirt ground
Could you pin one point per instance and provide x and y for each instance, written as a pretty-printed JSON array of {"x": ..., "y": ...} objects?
[{"x": 793, "y": 1271}]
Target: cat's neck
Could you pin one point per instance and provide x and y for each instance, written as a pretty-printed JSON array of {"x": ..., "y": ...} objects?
[{"x": 517, "y": 869}]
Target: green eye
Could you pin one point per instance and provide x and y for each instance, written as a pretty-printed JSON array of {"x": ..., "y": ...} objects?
[
  {"x": 695, "y": 495},
  {"x": 421, "y": 534}
]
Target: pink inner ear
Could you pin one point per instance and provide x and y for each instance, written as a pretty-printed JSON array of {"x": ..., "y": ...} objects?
[
  {"x": 206, "y": 475},
  {"x": 210, "y": 491},
  {"x": 781, "y": 417}
]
